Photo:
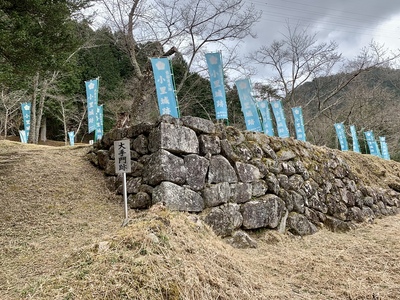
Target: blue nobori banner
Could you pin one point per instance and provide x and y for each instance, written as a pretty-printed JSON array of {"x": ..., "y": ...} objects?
[
  {"x": 263, "y": 107},
  {"x": 71, "y": 136},
  {"x": 299, "y": 123},
  {"x": 356, "y": 145},
  {"x": 280, "y": 119},
  {"x": 341, "y": 134},
  {"x": 26, "y": 115},
  {"x": 215, "y": 70},
  {"x": 99, "y": 123},
  {"x": 249, "y": 108},
  {"x": 167, "y": 104},
  {"x": 384, "y": 147},
  {"x": 372, "y": 144},
  {"x": 92, "y": 94},
  {"x": 22, "y": 136}
]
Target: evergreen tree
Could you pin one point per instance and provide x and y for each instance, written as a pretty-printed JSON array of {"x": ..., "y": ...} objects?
[{"x": 37, "y": 38}]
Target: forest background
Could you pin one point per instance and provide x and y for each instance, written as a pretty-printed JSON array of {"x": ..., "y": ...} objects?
[{"x": 49, "y": 48}]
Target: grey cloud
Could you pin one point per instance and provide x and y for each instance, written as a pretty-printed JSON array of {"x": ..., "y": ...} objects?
[{"x": 351, "y": 23}]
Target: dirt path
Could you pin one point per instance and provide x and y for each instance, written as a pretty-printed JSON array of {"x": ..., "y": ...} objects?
[{"x": 52, "y": 201}]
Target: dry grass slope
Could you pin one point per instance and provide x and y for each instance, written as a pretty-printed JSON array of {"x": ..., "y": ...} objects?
[{"x": 60, "y": 238}]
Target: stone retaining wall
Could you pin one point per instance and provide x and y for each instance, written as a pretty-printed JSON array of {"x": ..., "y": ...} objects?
[{"x": 241, "y": 180}]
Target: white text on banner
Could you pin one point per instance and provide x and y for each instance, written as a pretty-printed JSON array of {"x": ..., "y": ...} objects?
[
  {"x": 92, "y": 93},
  {"x": 215, "y": 70},
  {"x": 280, "y": 119},
  {"x": 299, "y": 123},
  {"x": 263, "y": 106},
  {"x": 167, "y": 104},
  {"x": 26, "y": 116},
  {"x": 356, "y": 145},
  {"x": 341, "y": 134},
  {"x": 249, "y": 108}
]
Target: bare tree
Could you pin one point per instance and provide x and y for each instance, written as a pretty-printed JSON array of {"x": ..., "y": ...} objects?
[
  {"x": 296, "y": 59},
  {"x": 317, "y": 77},
  {"x": 44, "y": 85},
  {"x": 299, "y": 58},
  {"x": 10, "y": 101},
  {"x": 41, "y": 87},
  {"x": 368, "y": 104},
  {"x": 187, "y": 26}
]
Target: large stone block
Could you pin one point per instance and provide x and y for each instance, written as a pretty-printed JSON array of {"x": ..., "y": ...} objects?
[
  {"x": 225, "y": 219},
  {"x": 136, "y": 130},
  {"x": 216, "y": 194},
  {"x": 298, "y": 202},
  {"x": 317, "y": 203},
  {"x": 221, "y": 171},
  {"x": 196, "y": 168},
  {"x": 132, "y": 186},
  {"x": 113, "y": 135},
  {"x": 110, "y": 167},
  {"x": 198, "y": 124},
  {"x": 337, "y": 225},
  {"x": 299, "y": 225},
  {"x": 285, "y": 155},
  {"x": 102, "y": 158},
  {"x": 140, "y": 144},
  {"x": 283, "y": 181},
  {"x": 347, "y": 197},
  {"x": 234, "y": 135},
  {"x": 209, "y": 144},
  {"x": 243, "y": 152},
  {"x": 141, "y": 200},
  {"x": 177, "y": 198},
  {"x": 273, "y": 166},
  {"x": 288, "y": 168},
  {"x": 336, "y": 208},
  {"x": 247, "y": 172},
  {"x": 355, "y": 214},
  {"x": 241, "y": 240},
  {"x": 227, "y": 151},
  {"x": 266, "y": 212},
  {"x": 164, "y": 166},
  {"x": 263, "y": 141},
  {"x": 260, "y": 187},
  {"x": 241, "y": 192},
  {"x": 173, "y": 138},
  {"x": 136, "y": 169},
  {"x": 256, "y": 150},
  {"x": 273, "y": 183}
]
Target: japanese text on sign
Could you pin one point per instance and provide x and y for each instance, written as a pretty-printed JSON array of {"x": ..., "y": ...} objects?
[{"x": 122, "y": 156}]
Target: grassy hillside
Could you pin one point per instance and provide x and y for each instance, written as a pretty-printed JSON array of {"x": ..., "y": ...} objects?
[
  {"x": 370, "y": 102},
  {"x": 61, "y": 238}
]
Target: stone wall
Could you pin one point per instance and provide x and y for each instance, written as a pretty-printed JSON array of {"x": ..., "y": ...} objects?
[{"x": 241, "y": 181}]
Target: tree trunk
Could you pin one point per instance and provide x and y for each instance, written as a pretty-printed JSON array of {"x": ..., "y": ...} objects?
[
  {"x": 64, "y": 120},
  {"x": 80, "y": 123},
  {"x": 40, "y": 111},
  {"x": 5, "y": 124},
  {"x": 32, "y": 130},
  {"x": 43, "y": 130},
  {"x": 144, "y": 107}
]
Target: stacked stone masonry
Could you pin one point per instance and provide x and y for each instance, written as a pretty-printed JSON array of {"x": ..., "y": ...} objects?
[{"x": 239, "y": 181}]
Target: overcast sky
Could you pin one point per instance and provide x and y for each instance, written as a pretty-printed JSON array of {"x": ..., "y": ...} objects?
[{"x": 351, "y": 23}]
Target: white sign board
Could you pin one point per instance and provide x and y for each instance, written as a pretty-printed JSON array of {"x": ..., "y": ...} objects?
[{"x": 122, "y": 156}]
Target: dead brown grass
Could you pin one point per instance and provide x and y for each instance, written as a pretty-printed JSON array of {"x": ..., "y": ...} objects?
[{"x": 60, "y": 238}]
